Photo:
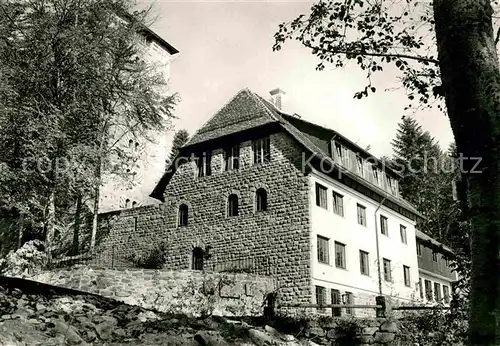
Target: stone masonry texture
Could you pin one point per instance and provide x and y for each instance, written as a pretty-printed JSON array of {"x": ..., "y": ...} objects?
[
  {"x": 186, "y": 291},
  {"x": 276, "y": 242}
]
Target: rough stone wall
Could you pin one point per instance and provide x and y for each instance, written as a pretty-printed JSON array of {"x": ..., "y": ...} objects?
[
  {"x": 366, "y": 332},
  {"x": 187, "y": 291},
  {"x": 276, "y": 242},
  {"x": 338, "y": 331}
]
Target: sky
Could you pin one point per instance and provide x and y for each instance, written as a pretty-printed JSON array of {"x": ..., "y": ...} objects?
[{"x": 226, "y": 46}]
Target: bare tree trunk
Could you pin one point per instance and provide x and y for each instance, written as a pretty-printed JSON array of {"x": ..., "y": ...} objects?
[
  {"x": 95, "y": 219},
  {"x": 471, "y": 83},
  {"x": 20, "y": 229},
  {"x": 76, "y": 229},
  {"x": 50, "y": 224},
  {"x": 97, "y": 195}
]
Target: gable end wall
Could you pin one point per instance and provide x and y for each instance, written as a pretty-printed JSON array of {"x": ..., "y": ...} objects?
[{"x": 277, "y": 241}]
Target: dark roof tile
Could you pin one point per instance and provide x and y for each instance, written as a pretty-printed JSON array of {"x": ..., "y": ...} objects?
[{"x": 242, "y": 112}]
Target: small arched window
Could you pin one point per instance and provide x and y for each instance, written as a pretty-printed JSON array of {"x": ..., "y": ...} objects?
[
  {"x": 183, "y": 215},
  {"x": 134, "y": 204},
  {"x": 130, "y": 143},
  {"x": 127, "y": 203},
  {"x": 232, "y": 205},
  {"x": 261, "y": 199},
  {"x": 136, "y": 146},
  {"x": 197, "y": 263}
]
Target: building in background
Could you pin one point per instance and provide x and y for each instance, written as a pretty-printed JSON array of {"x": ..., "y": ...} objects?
[
  {"x": 436, "y": 276},
  {"x": 118, "y": 192}
]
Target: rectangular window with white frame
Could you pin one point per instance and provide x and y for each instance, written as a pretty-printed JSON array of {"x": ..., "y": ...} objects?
[
  {"x": 387, "y": 270},
  {"x": 340, "y": 258},
  {"x": 428, "y": 290},
  {"x": 361, "y": 214},
  {"x": 437, "y": 292},
  {"x": 402, "y": 231},
  {"x": 321, "y": 196},
  {"x": 323, "y": 250},
  {"x": 204, "y": 163},
  {"x": 261, "y": 150},
  {"x": 364, "y": 264},
  {"x": 339, "y": 152},
  {"x": 349, "y": 300},
  {"x": 338, "y": 203},
  {"x": 446, "y": 294},
  {"x": 360, "y": 166},
  {"x": 321, "y": 296},
  {"x": 375, "y": 174},
  {"x": 406, "y": 276},
  {"x": 336, "y": 300},
  {"x": 232, "y": 158},
  {"x": 384, "y": 225}
]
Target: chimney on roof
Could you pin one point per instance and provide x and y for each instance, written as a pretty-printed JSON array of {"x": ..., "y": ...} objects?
[{"x": 277, "y": 97}]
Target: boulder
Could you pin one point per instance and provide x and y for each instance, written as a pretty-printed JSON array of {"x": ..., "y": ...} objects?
[
  {"x": 104, "y": 330},
  {"x": 261, "y": 338},
  {"x": 315, "y": 331},
  {"x": 40, "y": 308},
  {"x": 278, "y": 335},
  {"x": 331, "y": 334},
  {"x": 366, "y": 339},
  {"x": 384, "y": 337},
  {"x": 210, "y": 338},
  {"x": 390, "y": 327},
  {"x": 70, "y": 334},
  {"x": 369, "y": 331},
  {"x": 311, "y": 343},
  {"x": 110, "y": 320}
]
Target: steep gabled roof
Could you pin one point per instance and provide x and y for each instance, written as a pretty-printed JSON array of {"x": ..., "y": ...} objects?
[
  {"x": 242, "y": 112},
  {"x": 247, "y": 110}
]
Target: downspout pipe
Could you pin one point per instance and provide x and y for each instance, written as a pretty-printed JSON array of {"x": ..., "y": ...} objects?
[{"x": 378, "y": 247}]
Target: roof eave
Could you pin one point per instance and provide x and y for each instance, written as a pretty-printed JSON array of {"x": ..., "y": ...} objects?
[
  {"x": 426, "y": 238},
  {"x": 345, "y": 139},
  {"x": 167, "y": 46},
  {"x": 164, "y": 44}
]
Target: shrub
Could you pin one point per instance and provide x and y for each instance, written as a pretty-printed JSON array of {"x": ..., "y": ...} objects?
[
  {"x": 153, "y": 258},
  {"x": 27, "y": 259},
  {"x": 346, "y": 331},
  {"x": 433, "y": 328}
]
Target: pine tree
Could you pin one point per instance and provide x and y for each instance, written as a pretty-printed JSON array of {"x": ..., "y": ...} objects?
[
  {"x": 180, "y": 138},
  {"x": 427, "y": 179},
  {"x": 409, "y": 147}
]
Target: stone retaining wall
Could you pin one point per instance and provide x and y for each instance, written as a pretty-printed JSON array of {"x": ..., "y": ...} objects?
[
  {"x": 185, "y": 291},
  {"x": 338, "y": 331}
]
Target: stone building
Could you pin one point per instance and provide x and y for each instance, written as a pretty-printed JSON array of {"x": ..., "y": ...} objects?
[
  {"x": 259, "y": 190},
  {"x": 133, "y": 189}
]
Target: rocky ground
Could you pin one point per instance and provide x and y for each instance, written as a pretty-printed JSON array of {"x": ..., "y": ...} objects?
[{"x": 28, "y": 318}]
